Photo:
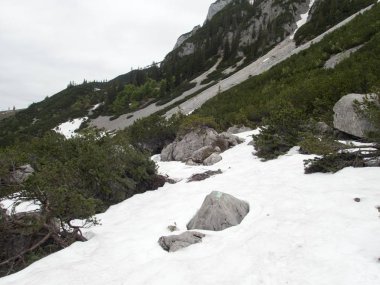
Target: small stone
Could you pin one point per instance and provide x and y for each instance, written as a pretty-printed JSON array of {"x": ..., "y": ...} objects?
[
  {"x": 357, "y": 200},
  {"x": 173, "y": 228},
  {"x": 177, "y": 242}
]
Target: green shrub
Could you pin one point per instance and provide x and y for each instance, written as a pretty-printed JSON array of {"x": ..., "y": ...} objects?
[
  {"x": 280, "y": 131},
  {"x": 311, "y": 144},
  {"x": 153, "y": 133},
  {"x": 194, "y": 122},
  {"x": 333, "y": 162}
]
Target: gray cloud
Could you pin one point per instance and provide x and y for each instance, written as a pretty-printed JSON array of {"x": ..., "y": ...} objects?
[{"x": 45, "y": 44}]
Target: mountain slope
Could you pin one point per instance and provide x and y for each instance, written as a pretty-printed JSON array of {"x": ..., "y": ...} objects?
[
  {"x": 302, "y": 229},
  {"x": 250, "y": 31},
  {"x": 240, "y": 29}
]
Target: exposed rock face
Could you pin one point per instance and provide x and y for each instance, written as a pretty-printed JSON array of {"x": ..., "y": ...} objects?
[
  {"x": 199, "y": 145},
  {"x": 177, "y": 242},
  {"x": 267, "y": 14},
  {"x": 216, "y": 8},
  {"x": 337, "y": 58},
  {"x": 347, "y": 120},
  {"x": 187, "y": 49},
  {"x": 218, "y": 212},
  {"x": 270, "y": 11},
  {"x": 186, "y": 36},
  {"x": 21, "y": 174}
]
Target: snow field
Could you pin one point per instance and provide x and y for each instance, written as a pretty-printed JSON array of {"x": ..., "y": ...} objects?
[
  {"x": 302, "y": 229},
  {"x": 68, "y": 128}
]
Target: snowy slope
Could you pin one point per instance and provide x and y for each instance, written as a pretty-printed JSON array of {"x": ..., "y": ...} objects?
[
  {"x": 68, "y": 128},
  {"x": 302, "y": 229}
]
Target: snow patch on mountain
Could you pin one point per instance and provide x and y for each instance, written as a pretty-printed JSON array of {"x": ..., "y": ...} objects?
[
  {"x": 303, "y": 19},
  {"x": 68, "y": 128},
  {"x": 302, "y": 229}
]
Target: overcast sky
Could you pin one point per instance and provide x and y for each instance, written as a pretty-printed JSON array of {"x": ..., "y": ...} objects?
[{"x": 45, "y": 44}]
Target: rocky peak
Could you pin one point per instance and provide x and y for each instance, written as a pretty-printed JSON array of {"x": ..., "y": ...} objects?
[
  {"x": 217, "y": 7},
  {"x": 186, "y": 36}
]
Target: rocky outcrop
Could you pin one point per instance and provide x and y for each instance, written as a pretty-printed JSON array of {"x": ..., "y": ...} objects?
[
  {"x": 199, "y": 145},
  {"x": 177, "y": 242},
  {"x": 219, "y": 211},
  {"x": 187, "y": 49},
  {"x": 21, "y": 174},
  {"x": 337, "y": 58},
  {"x": 348, "y": 120},
  {"x": 186, "y": 36},
  {"x": 271, "y": 11},
  {"x": 216, "y": 8}
]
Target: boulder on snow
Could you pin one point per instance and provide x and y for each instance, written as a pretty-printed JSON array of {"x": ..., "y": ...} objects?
[
  {"x": 198, "y": 145},
  {"x": 176, "y": 242},
  {"x": 212, "y": 159},
  {"x": 201, "y": 154},
  {"x": 182, "y": 149},
  {"x": 347, "y": 120},
  {"x": 218, "y": 212}
]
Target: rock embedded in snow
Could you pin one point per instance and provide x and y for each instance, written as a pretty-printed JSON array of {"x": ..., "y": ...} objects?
[
  {"x": 212, "y": 159},
  {"x": 219, "y": 211},
  {"x": 201, "y": 154},
  {"x": 347, "y": 120},
  {"x": 176, "y": 242},
  {"x": 204, "y": 175}
]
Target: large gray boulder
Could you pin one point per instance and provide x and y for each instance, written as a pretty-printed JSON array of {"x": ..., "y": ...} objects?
[
  {"x": 176, "y": 242},
  {"x": 218, "y": 212},
  {"x": 183, "y": 149},
  {"x": 198, "y": 145},
  {"x": 347, "y": 120}
]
